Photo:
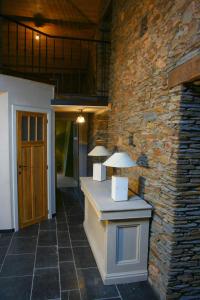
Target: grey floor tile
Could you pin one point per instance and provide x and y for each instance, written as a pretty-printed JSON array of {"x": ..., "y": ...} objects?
[
  {"x": 70, "y": 295},
  {"x": 47, "y": 257},
  {"x": 47, "y": 238},
  {"x": 46, "y": 284},
  {"x": 22, "y": 245},
  {"x": 62, "y": 226},
  {"x": 65, "y": 295},
  {"x": 74, "y": 295},
  {"x": 136, "y": 291},
  {"x": 65, "y": 254},
  {"x": 77, "y": 233},
  {"x": 68, "y": 276},
  {"x": 18, "y": 265},
  {"x": 30, "y": 231},
  {"x": 3, "y": 251},
  {"x": 75, "y": 220},
  {"x": 48, "y": 225},
  {"x": 60, "y": 217},
  {"x": 15, "y": 288},
  {"x": 46, "y": 279},
  {"x": 84, "y": 257},
  {"x": 92, "y": 287},
  {"x": 5, "y": 239},
  {"x": 63, "y": 239},
  {"x": 82, "y": 243},
  {"x": 74, "y": 209}
]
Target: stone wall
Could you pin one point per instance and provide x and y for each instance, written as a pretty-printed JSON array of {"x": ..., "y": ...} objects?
[
  {"x": 97, "y": 131},
  {"x": 185, "y": 257},
  {"x": 150, "y": 38}
]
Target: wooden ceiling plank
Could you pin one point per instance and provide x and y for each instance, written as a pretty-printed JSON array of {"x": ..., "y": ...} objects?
[{"x": 81, "y": 12}]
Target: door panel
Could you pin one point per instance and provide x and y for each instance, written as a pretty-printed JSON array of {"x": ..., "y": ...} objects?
[
  {"x": 32, "y": 167},
  {"x": 38, "y": 180},
  {"x": 25, "y": 173}
]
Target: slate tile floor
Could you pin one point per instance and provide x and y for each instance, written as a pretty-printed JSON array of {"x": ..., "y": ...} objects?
[{"x": 53, "y": 260}]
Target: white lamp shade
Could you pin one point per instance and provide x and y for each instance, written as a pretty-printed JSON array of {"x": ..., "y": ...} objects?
[
  {"x": 120, "y": 160},
  {"x": 99, "y": 151}
]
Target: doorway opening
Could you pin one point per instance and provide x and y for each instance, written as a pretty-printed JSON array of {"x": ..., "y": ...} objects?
[{"x": 70, "y": 149}]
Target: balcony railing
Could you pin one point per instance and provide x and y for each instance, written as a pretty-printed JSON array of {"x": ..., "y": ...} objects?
[{"x": 75, "y": 66}]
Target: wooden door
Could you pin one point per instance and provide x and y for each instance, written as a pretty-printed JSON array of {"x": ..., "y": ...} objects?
[{"x": 32, "y": 167}]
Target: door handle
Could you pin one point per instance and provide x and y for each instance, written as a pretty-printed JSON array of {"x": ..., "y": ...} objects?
[{"x": 23, "y": 166}]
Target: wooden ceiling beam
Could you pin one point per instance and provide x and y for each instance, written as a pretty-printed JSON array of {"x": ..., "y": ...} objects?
[{"x": 70, "y": 24}]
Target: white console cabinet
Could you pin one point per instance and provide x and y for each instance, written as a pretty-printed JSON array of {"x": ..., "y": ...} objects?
[{"x": 118, "y": 232}]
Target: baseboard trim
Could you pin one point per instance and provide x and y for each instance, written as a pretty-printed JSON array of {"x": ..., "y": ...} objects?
[
  {"x": 7, "y": 230},
  {"x": 121, "y": 278}
]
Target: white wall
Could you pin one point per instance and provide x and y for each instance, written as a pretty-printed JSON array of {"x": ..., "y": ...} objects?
[
  {"x": 30, "y": 94},
  {"x": 27, "y": 92},
  {"x": 5, "y": 194}
]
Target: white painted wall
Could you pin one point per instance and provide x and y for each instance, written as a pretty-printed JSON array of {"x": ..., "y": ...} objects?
[
  {"x": 33, "y": 95},
  {"x": 5, "y": 189}
]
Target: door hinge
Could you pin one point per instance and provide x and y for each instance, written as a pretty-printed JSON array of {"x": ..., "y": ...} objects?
[{"x": 47, "y": 167}]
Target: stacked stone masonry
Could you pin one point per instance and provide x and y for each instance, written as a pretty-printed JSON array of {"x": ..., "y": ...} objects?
[
  {"x": 185, "y": 257},
  {"x": 98, "y": 134},
  {"x": 164, "y": 124}
]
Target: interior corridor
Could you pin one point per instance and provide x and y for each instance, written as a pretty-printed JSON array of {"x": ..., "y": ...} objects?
[{"x": 53, "y": 260}]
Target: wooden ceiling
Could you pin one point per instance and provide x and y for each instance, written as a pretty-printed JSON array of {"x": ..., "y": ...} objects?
[{"x": 75, "y": 18}]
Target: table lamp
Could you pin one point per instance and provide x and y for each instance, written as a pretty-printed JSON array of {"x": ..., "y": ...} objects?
[
  {"x": 119, "y": 185},
  {"x": 99, "y": 170}
]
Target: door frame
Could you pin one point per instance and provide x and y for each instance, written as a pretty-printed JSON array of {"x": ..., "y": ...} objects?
[{"x": 13, "y": 154}]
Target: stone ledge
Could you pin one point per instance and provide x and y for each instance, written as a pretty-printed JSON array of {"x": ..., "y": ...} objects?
[{"x": 186, "y": 72}]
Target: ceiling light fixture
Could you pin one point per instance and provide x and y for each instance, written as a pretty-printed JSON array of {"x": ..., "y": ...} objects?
[{"x": 80, "y": 119}]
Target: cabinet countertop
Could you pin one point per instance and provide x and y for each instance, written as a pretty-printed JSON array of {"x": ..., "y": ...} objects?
[{"x": 99, "y": 194}]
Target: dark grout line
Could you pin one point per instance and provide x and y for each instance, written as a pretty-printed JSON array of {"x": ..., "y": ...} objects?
[
  {"x": 120, "y": 296},
  {"x": 59, "y": 275},
  {"x": 31, "y": 292},
  {"x": 87, "y": 268},
  {"x": 80, "y": 246},
  {"x": 48, "y": 246},
  {"x": 16, "y": 276},
  {"x": 72, "y": 252},
  {"x": 45, "y": 268},
  {"x": 48, "y": 230},
  {"x": 7, "y": 252},
  {"x": 108, "y": 298},
  {"x": 72, "y": 290},
  {"x": 25, "y": 237},
  {"x": 23, "y": 253},
  {"x": 64, "y": 261}
]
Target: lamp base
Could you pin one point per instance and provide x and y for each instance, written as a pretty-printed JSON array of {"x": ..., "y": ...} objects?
[
  {"x": 99, "y": 172},
  {"x": 119, "y": 188}
]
